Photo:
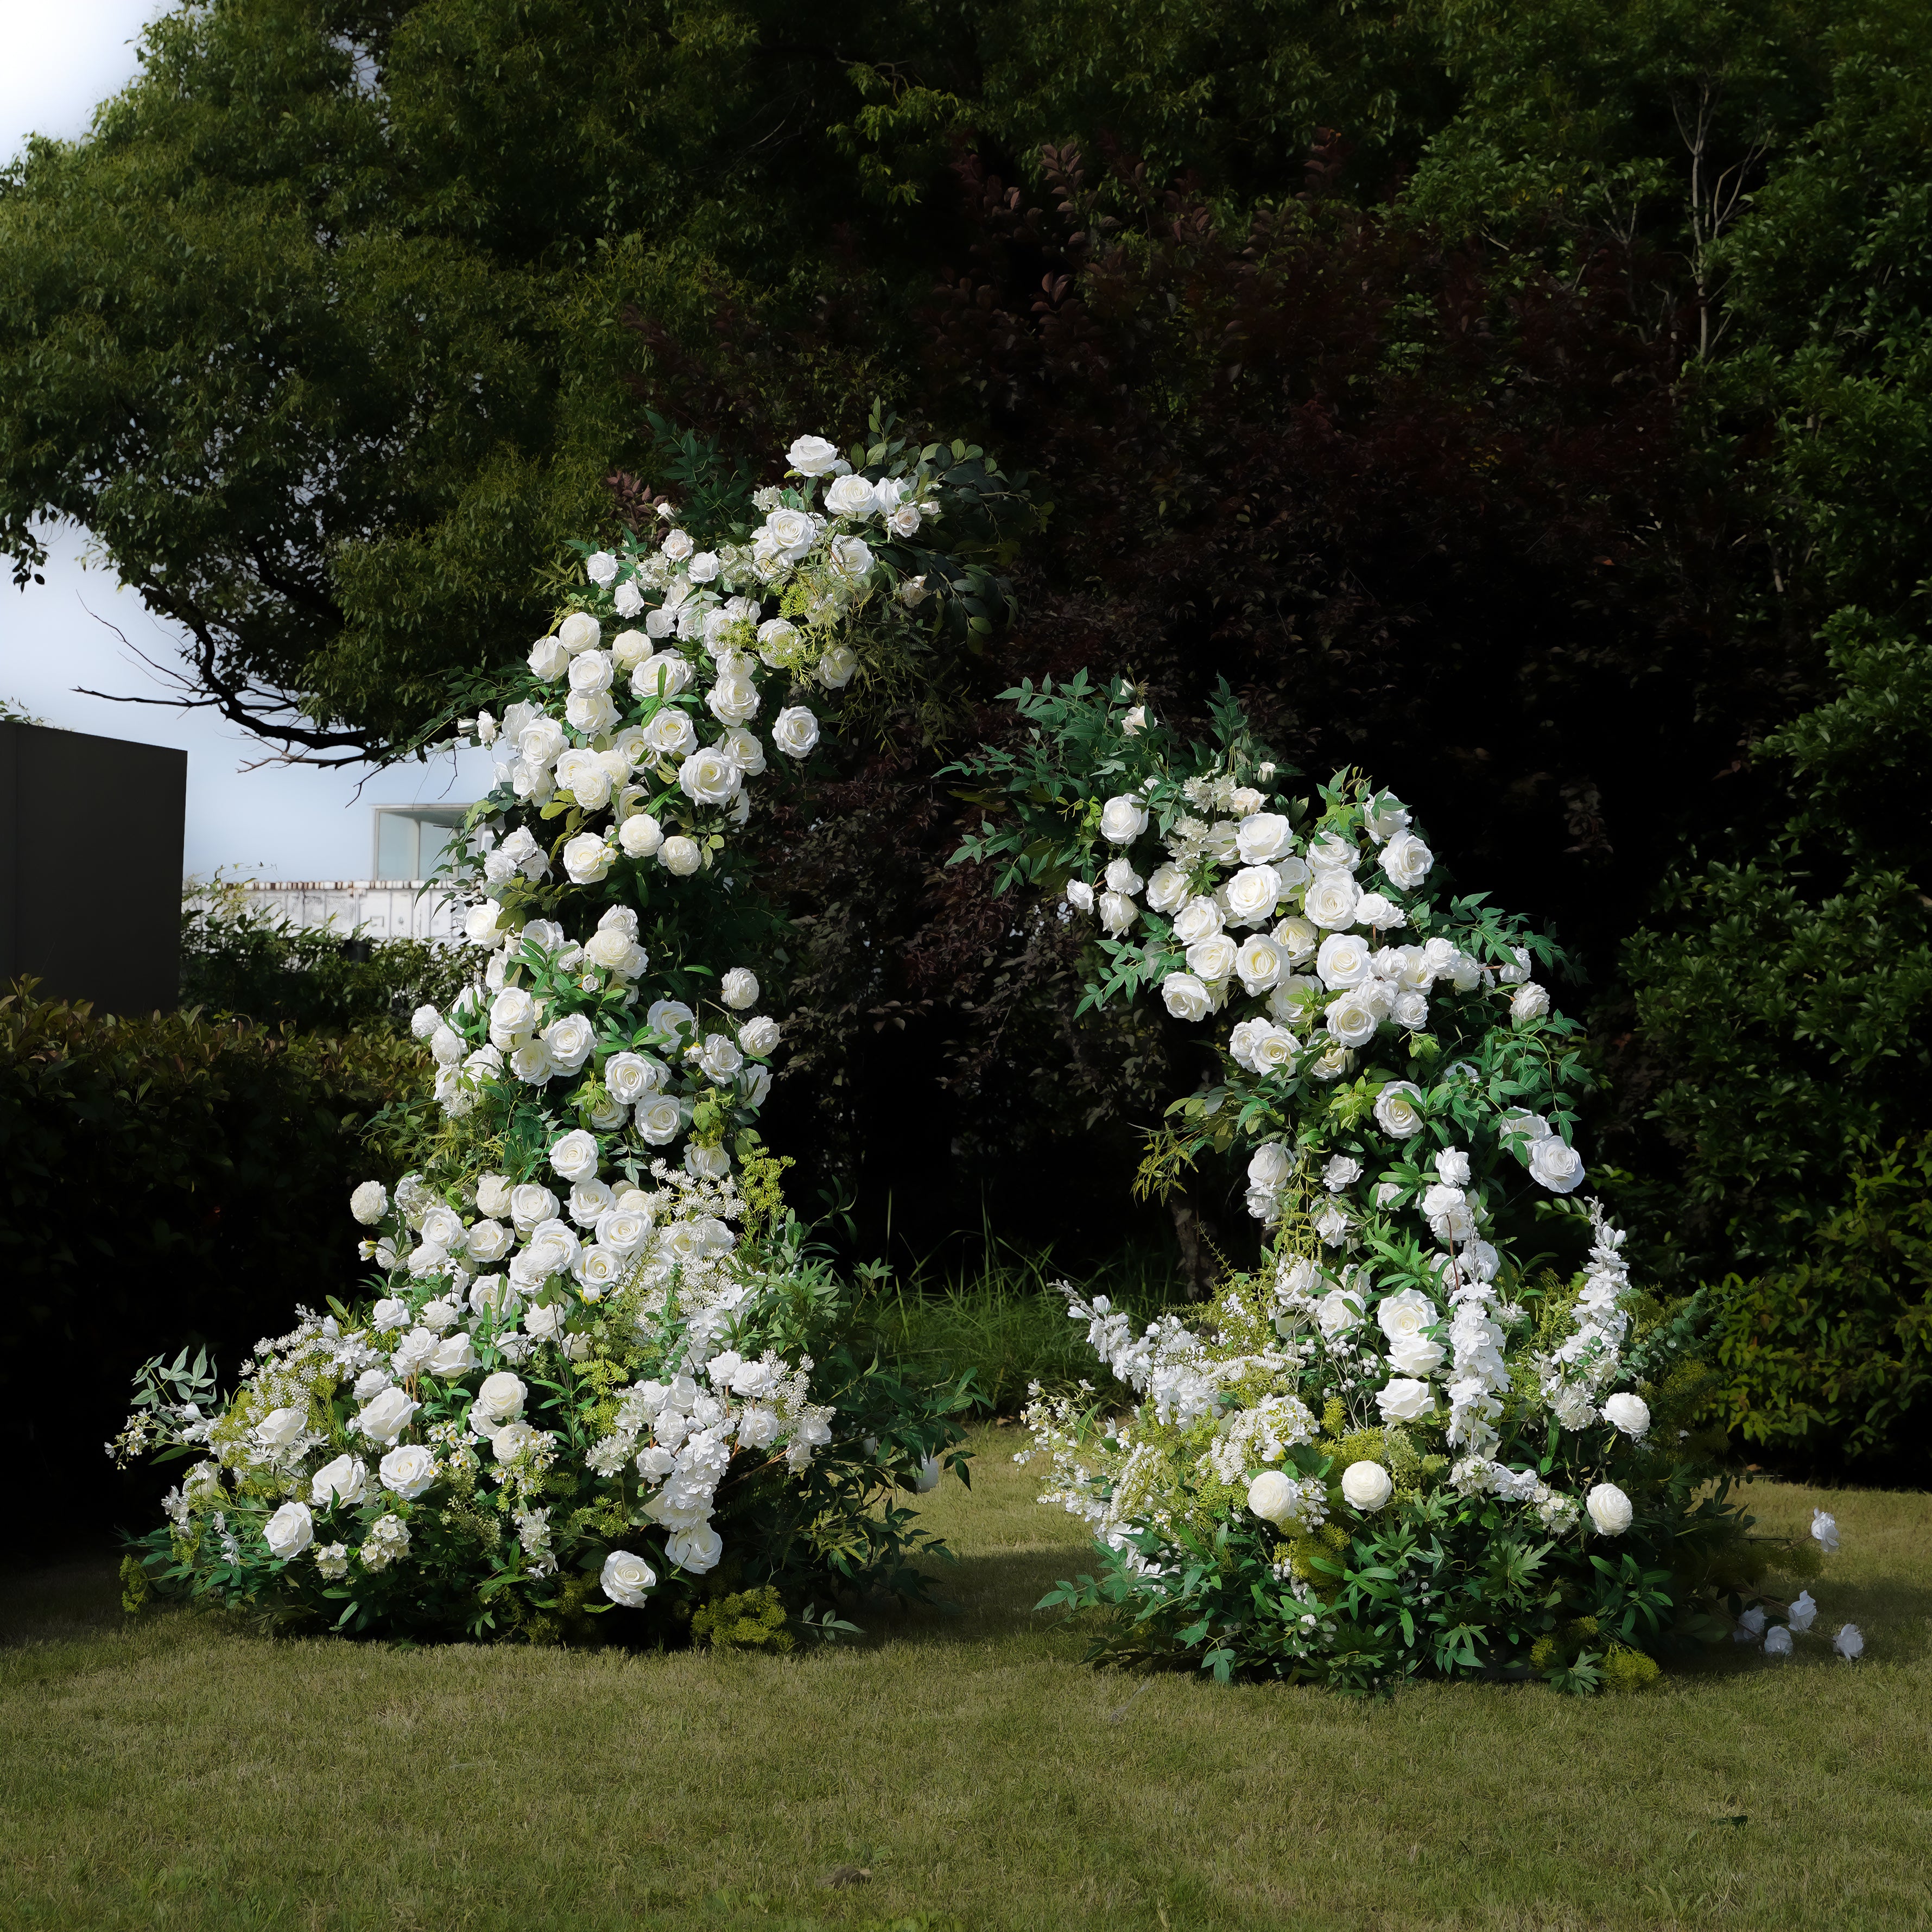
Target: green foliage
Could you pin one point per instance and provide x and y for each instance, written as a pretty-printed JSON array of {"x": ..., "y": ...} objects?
[
  {"x": 166, "y": 1177},
  {"x": 238, "y": 962},
  {"x": 744, "y": 1620},
  {"x": 1787, "y": 1000}
]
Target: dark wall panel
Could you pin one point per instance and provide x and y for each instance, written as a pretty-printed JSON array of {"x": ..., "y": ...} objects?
[{"x": 91, "y": 867}]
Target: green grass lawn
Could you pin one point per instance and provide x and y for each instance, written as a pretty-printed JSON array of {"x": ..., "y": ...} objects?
[{"x": 168, "y": 1774}]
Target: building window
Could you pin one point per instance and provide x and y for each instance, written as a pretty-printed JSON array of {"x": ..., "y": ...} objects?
[{"x": 410, "y": 840}]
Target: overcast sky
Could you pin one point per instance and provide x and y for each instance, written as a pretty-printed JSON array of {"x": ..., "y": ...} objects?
[{"x": 59, "y": 59}]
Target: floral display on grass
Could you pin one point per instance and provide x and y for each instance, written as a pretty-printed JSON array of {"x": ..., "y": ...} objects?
[
  {"x": 601, "y": 1372},
  {"x": 1439, "y": 1428}
]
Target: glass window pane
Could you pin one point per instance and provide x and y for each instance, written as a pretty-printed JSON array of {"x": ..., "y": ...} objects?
[{"x": 395, "y": 846}]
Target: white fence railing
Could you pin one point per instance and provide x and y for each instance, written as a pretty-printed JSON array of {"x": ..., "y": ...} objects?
[{"x": 383, "y": 908}]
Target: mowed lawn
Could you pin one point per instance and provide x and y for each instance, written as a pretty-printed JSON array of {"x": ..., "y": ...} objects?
[{"x": 964, "y": 1772}]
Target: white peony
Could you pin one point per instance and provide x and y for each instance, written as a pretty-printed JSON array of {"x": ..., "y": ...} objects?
[
  {"x": 1528, "y": 1003},
  {"x": 1629, "y": 1413},
  {"x": 1272, "y": 1496},
  {"x": 369, "y": 1203},
  {"x": 1609, "y": 1509},
  {"x": 1367, "y": 1485}
]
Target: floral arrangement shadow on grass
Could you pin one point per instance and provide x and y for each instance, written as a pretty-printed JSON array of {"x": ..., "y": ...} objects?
[{"x": 1439, "y": 1429}]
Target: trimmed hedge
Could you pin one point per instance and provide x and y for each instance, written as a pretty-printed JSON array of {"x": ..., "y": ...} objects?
[{"x": 164, "y": 1179}]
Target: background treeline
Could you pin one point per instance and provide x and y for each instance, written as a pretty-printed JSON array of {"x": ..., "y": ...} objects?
[{"x": 1530, "y": 401}]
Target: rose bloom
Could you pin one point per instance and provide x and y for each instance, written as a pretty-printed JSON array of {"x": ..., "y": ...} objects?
[
  {"x": 1118, "y": 912},
  {"x": 759, "y": 1035},
  {"x": 592, "y": 713},
  {"x": 569, "y": 1041},
  {"x": 1342, "y": 962},
  {"x": 1262, "y": 838},
  {"x": 280, "y": 1427},
  {"x": 590, "y": 670},
  {"x": 289, "y": 1531},
  {"x": 795, "y": 731},
  {"x": 574, "y": 1155},
  {"x": 1404, "y": 1400},
  {"x": 1212, "y": 958},
  {"x": 1124, "y": 819},
  {"x": 586, "y": 858},
  {"x": 369, "y": 1203},
  {"x": 582, "y": 775},
  {"x": 1330, "y": 900},
  {"x": 812, "y": 455},
  {"x": 1558, "y": 1165},
  {"x": 1352, "y": 1020},
  {"x": 388, "y": 1416},
  {"x": 836, "y": 667},
  {"x": 640, "y": 835},
  {"x": 680, "y": 856},
  {"x": 852, "y": 497},
  {"x": 696, "y": 1550},
  {"x": 661, "y": 675},
  {"x": 408, "y": 1471},
  {"x": 1529, "y": 1002},
  {"x": 1297, "y": 939},
  {"x": 455, "y": 1355},
  {"x": 629, "y": 1077},
  {"x": 1185, "y": 997},
  {"x": 1251, "y": 894},
  {"x": 719, "y": 1057},
  {"x": 1080, "y": 895},
  {"x": 1405, "y": 1314},
  {"x": 1396, "y": 1111},
  {"x": 706, "y": 778},
  {"x": 346, "y": 1481},
  {"x": 627, "y": 1579},
  {"x": 1609, "y": 1509},
  {"x": 1200, "y": 918},
  {"x": 670, "y": 733},
  {"x": 659, "y": 1122},
  {"x": 1270, "y": 1165},
  {"x": 1258, "y": 961},
  {"x": 1271, "y": 1496},
  {"x": 1407, "y": 860},
  {"x": 1167, "y": 889}
]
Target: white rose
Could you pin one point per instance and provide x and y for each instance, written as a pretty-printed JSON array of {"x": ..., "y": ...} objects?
[
  {"x": 1407, "y": 860},
  {"x": 591, "y": 671},
  {"x": 1124, "y": 819},
  {"x": 795, "y": 731},
  {"x": 1404, "y": 1400},
  {"x": 488, "y": 1241},
  {"x": 369, "y": 1203},
  {"x": 696, "y": 1550},
  {"x": 289, "y": 1531},
  {"x": 679, "y": 855},
  {"x": 455, "y": 1355},
  {"x": 344, "y": 1480},
  {"x": 1200, "y": 918},
  {"x": 443, "y": 1226},
  {"x": 1558, "y": 1165},
  {"x": 1413, "y": 1356},
  {"x": 389, "y": 1313},
  {"x": 408, "y": 1471},
  {"x": 1352, "y": 1020},
  {"x": 627, "y": 1579},
  {"x": 549, "y": 659},
  {"x": 1258, "y": 962},
  {"x": 706, "y": 778},
  {"x": 1080, "y": 895},
  {"x": 739, "y": 989},
  {"x": 1185, "y": 997},
  {"x": 1263, "y": 838},
  {"x": 670, "y": 733},
  {"x": 1211, "y": 959},
  {"x": 659, "y": 1122},
  {"x": 1167, "y": 889},
  {"x": 1629, "y": 1413},
  {"x": 388, "y": 1416},
  {"x": 1344, "y": 961},
  {"x": 1405, "y": 1314},
  {"x": 541, "y": 742},
  {"x": 759, "y": 1037},
  {"x": 811, "y": 455},
  {"x": 663, "y": 674},
  {"x": 586, "y": 858},
  {"x": 1397, "y": 1111},
  {"x": 499, "y": 1400},
  {"x": 1272, "y": 1496},
  {"x": 703, "y": 566},
  {"x": 719, "y": 1057},
  {"x": 579, "y": 631},
  {"x": 1330, "y": 900},
  {"x": 850, "y": 558},
  {"x": 1251, "y": 894},
  {"x": 1337, "y": 1311},
  {"x": 280, "y": 1427},
  {"x": 1367, "y": 1485},
  {"x": 629, "y": 1077},
  {"x": 732, "y": 700},
  {"x": 1269, "y": 1166},
  {"x": 1297, "y": 938},
  {"x": 569, "y": 1041},
  {"x": 1529, "y": 1002},
  {"x": 640, "y": 835},
  {"x": 582, "y": 775},
  {"x": 836, "y": 668},
  {"x": 483, "y": 924},
  {"x": 574, "y": 1155},
  {"x": 1608, "y": 1508},
  {"x": 851, "y": 497}
]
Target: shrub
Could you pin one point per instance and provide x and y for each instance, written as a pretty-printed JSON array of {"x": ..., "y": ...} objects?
[{"x": 166, "y": 1177}]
